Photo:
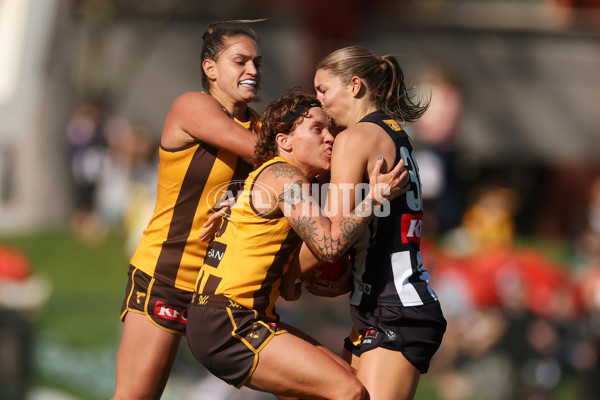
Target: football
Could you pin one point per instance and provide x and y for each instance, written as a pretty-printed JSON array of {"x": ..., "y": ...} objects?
[{"x": 332, "y": 271}]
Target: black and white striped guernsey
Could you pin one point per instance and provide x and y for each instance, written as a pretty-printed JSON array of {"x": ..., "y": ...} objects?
[{"x": 387, "y": 261}]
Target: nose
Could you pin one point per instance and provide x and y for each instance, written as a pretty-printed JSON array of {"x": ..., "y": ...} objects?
[
  {"x": 251, "y": 68},
  {"x": 329, "y": 138}
]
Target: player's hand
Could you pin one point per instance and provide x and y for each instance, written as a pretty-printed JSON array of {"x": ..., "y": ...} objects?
[
  {"x": 391, "y": 185},
  {"x": 213, "y": 222},
  {"x": 290, "y": 289}
]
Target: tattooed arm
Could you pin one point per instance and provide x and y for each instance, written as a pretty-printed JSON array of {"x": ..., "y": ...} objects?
[{"x": 326, "y": 239}]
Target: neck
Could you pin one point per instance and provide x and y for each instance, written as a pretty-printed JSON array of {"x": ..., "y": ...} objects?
[
  {"x": 362, "y": 110},
  {"x": 238, "y": 111}
]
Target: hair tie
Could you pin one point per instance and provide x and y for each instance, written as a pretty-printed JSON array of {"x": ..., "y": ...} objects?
[{"x": 382, "y": 63}]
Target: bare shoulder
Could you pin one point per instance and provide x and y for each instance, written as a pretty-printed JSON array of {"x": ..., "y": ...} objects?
[
  {"x": 280, "y": 183},
  {"x": 184, "y": 117},
  {"x": 279, "y": 175},
  {"x": 368, "y": 131},
  {"x": 356, "y": 141},
  {"x": 356, "y": 136},
  {"x": 376, "y": 142},
  {"x": 284, "y": 171},
  {"x": 356, "y": 148},
  {"x": 193, "y": 99},
  {"x": 185, "y": 103}
]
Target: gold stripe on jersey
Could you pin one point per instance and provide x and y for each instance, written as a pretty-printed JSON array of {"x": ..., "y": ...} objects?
[
  {"x": 247, "y": 261},
  {"x": 190, "y": 182}
]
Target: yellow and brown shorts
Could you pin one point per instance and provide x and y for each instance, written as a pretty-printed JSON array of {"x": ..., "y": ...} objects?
[
  {"x": 164, "y": 304},
  {"x": 226, "y": 337}
]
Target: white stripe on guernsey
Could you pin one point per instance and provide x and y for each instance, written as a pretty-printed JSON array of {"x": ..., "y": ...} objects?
[
  {"x": 425, "y": 276},
  {"x": 402, "y": 270}
]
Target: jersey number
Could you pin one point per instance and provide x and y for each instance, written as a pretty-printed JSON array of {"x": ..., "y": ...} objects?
[{"x": 413, "y": 196}]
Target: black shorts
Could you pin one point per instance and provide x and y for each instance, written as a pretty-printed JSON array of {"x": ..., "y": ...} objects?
[
  {"x": 163, "y": 304},
  {"x": 226, "y": 337},
  {"x": 416, "y": 332}
]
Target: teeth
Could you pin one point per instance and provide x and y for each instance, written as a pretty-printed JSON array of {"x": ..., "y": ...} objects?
[{"x": 248, "y": 82}]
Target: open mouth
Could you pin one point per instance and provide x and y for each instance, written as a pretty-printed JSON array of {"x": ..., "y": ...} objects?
[{"x": 249, "y": 83}]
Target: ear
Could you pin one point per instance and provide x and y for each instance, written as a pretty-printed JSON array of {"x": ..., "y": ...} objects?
[
  {"x": 209, "y": 68},
  {"x": 355, "y": 85},
  {"x": 284, "y": 141}
]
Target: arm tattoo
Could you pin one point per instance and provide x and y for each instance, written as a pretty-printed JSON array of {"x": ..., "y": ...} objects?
[
  {"x": 292, "y": 194},
  {"x": 305, "y": 228},
  {"x": 327, "y": 246},
  {"x": 349, "y": 229}
]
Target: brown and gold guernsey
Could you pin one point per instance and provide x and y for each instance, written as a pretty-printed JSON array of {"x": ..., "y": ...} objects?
[
  {"x": 246, "y": 263},
  {"x": 191, "y": 182}
]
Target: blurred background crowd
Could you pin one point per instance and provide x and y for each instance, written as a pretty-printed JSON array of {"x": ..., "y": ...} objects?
[{"x": 509, "y": 154}]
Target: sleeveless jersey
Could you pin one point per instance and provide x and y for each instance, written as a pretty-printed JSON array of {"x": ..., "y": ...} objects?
[
  {"x": 246, "y": 263},
  {"x": 386, "y": 259},
  {"x": 191, "y": 182}
]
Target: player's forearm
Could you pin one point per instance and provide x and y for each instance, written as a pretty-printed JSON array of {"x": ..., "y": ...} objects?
[{"x": 329, "y": 244}]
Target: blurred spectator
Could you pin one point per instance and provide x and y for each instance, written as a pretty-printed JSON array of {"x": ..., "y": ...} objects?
[
  {"x": 113, "y": 165},
  {"x": 127, "y": 183},
  {"x": 86, "y": 148},
  {"x": 487, "y": 223},
  {"x": 436, "y": 151}
]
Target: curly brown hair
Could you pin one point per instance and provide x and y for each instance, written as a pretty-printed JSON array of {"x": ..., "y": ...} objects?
[{"x": 273, "y": 122}]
